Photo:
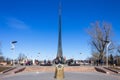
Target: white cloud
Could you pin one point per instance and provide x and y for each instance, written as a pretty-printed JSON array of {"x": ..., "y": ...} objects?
[{"x": 16, "y": 23}]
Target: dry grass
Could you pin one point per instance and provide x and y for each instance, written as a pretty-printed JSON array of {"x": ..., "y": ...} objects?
[{"x": 3, "y": 68}]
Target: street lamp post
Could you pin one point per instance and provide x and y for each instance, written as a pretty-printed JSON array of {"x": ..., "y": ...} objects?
[
  {"x": 39, "y": 55},
  {"x": 80, "y": 53},
  {"x": 107, "y": 47},
  {"x": 79, "y": 59},
  {"x": 13, "y": 49}
]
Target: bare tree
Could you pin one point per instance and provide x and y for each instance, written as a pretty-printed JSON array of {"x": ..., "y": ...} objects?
[
  {"x": 117, "y": 56},
  {"x": 1, "y": 57},
  {"x": 8, "y": 60},
  {"x": 100, "y": 33},
  {"x": 95, "y": 55},
  {"x": 21, "y": 57},
  {"x": 118, "y": 48},
  {"x": 0, "y": 50}
]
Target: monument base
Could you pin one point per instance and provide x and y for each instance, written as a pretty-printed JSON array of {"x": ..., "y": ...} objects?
[{"x": 59, "y": 72}]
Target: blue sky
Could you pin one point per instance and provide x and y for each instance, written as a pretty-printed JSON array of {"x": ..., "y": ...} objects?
[{"x": 34, "y": 24}]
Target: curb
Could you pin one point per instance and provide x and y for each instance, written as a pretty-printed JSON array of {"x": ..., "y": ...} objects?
[
  {"x": 112, "y": 70},
  {"x": 19, "y": 70},
  {"x": 101, "y": 70}
]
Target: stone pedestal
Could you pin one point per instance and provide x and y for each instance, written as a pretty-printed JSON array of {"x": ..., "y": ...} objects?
[{"x": 59, "y": 72}]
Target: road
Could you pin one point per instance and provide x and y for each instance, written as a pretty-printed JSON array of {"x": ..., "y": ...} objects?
[{"x": 68, "y": 76}]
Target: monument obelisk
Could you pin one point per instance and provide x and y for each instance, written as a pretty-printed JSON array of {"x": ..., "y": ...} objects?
[
  {"x": 59, "y": 51},
  {"x": 59, "y": 70}
]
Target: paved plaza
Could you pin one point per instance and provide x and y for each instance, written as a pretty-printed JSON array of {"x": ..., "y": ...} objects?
[{"x": 68, "y": 76}]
